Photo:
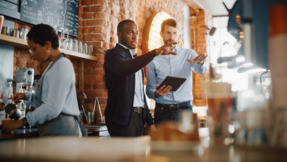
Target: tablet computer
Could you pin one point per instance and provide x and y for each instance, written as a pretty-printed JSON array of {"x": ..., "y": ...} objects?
[{"x": 175, "y": 82}]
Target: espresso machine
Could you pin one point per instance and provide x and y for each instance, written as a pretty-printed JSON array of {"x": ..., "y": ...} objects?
[
  {"x": 24, "y": 79},
  {"x": 24, "y": 82}
]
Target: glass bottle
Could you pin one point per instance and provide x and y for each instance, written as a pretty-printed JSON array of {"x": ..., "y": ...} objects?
[
  {"x": 2, "y": 105},
  {"x": 10, "y": 93}
]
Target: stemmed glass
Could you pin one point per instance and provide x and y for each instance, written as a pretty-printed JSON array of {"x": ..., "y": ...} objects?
[
  {"x": 66, "y": 40},
  {"x": 80, "y": 47},
  {"x": 61, "y": 39},
  {"x": 76, "y": 45},
  {"x": 57, "y": 29},
  {"x": 69, "y": 41},
  {"x": 70, "y": 44},
  {"x": 91, "y": 49},
  {"x": 85, "y": 48}
]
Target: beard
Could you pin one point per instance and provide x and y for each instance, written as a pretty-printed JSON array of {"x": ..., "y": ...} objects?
[{"x": 166, "y": 41}]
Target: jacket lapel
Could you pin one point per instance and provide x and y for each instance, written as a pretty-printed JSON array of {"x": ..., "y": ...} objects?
[{"x": 126, "y": 51}]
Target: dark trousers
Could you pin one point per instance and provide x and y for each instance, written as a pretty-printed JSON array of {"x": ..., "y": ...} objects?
[
  {"x": 168, "y": 113},
  {"x": 135, "y": 127}
]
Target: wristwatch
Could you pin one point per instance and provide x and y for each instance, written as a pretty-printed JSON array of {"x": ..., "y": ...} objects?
[{"x": 25, "y": 122}]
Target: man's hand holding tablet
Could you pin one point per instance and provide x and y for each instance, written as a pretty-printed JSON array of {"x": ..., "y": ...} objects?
[{"x": 168, "y": 84}]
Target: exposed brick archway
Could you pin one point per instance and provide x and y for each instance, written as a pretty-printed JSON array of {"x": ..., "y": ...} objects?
[
  {"x": 151, "y": 38},
  {"x": 197, "y": 25},
  {"x": 146, "y": 10}
]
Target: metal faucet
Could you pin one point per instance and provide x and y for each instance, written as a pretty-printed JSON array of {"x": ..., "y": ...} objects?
[{"x": 81, "y": 103}]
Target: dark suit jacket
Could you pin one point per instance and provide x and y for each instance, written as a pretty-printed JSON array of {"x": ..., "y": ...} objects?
[{"x": 120, "y": 71}]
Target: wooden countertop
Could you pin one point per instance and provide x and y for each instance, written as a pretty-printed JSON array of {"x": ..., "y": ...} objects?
[
  {"x": 73, "y": 149},
  {"x": 126, "y": 149},
  {"x": 93, "y": 130},
  {"x": 20, "y": 133}
]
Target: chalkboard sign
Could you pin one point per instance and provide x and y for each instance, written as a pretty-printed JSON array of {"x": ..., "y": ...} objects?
[
  {"x": 10, "y": 8},
  {"x": 57, "y": 13}
]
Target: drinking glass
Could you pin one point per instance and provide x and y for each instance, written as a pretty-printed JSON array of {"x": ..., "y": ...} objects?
[
  {"x": 66, "y": 40},
  {"x": 76, "y": 45},
  {"x": 85, "y": 48},
  {"x": 70, "y": 44},
  {"x": 61, "y": 39},
  {"x": 80, "y": 47},
  {"x": 91, "y": 49},
  {"x": 219, "y": 102},
  {"x": 218, "y": 108},
  {"x": 8, "y": 30}
]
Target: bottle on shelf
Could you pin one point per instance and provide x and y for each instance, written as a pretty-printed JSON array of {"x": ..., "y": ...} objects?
[
  {"x": 10, "y": 93},
  {"x": 2, "y": 105}
]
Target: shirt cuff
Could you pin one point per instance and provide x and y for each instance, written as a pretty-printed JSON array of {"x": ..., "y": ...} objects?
[
  {"x": 152, "y": 95},
  {"x": 28, "y": 96},
  {"x": 29, "y": 121}
]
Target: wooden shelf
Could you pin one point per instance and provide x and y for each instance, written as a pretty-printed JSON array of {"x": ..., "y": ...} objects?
[
  {"x": 78, "y": 55},
  {"x": 12, "y": 41},
  {"x": 15, "y": 42}
]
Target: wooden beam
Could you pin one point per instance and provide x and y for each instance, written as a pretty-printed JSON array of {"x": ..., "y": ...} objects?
[{"x": 192, "y": 6}]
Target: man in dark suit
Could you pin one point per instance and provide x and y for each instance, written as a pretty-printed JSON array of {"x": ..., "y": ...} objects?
[{"x": 126, "y": 110}]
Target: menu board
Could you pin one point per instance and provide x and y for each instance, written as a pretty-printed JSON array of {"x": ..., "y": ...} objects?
[
  {"x": 10, "y": 8},
  {"x": 57, "y": 13}
]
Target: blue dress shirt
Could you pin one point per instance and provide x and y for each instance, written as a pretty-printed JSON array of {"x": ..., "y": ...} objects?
[{"x": 176, "y": 66}]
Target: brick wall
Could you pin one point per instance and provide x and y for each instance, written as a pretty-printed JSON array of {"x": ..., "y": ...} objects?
[
  {"x": 98, "y": 24},
  {"x": 198, "y": 43},
  {"x": 98, "y": 21},
  {"x": 145, "y": 8}
]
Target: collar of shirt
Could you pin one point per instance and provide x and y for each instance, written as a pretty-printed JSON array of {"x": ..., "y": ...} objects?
[
  {"x": 131, "y": 51},
  {"x": 175, "y": 49}
]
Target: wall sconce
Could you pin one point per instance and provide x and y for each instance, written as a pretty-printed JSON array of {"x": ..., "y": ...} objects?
[{"x": 211, "y": 31}]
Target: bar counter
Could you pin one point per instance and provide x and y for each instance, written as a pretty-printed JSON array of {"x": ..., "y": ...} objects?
[
  {"x": 20, "y": 133},
  {"x": 92, "y": 130},
  {"x": 127, "y": 149}
]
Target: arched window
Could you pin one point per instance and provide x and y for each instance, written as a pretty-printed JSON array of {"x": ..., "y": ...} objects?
[
  {"x": 152, "y": 38},
  {"x": 151, "y": 33}
]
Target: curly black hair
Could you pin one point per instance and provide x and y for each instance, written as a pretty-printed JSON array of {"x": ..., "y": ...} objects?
[
  {"x": 41, "y": 33},
  {"x": 122, "y": 23}
]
